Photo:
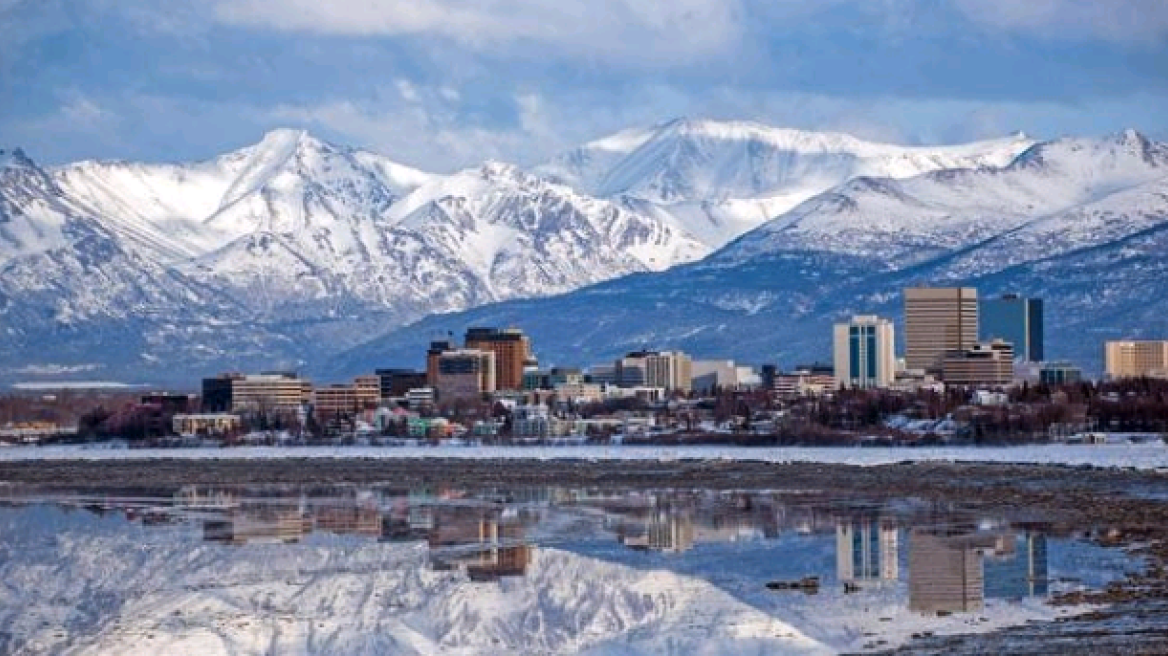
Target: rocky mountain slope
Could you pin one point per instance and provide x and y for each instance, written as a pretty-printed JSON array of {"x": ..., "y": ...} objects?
[{"x": 1080, "y": 222}]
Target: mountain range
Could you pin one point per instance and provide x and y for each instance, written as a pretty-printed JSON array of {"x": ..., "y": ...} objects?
[{"x": 722, "y": 238}]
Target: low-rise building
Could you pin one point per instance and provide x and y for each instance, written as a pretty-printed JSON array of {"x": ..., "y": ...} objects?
[
  {"x": 1059, "y": 373},
  {"x": 333, "y": 400},
  {"x": 805, "y": 380},
  {"x": 205, "y": 424},
  {"x": 987, "y": 363},
  {"x": 1136, "y": 359},
  {"x": 269, "y": 392}
]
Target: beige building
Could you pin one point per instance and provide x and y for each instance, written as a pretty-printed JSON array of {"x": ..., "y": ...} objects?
[
  {"x": 269, "y": 392},
  {"x": 512, "y": 351},
  {"x": 1136, "y": 359},
  {"x": 465, "y": 374},
  {"x": 937, "y": 320},
  {"x": 989, "y": 363},
  {"x": 865, "y": 352},
  {"x": 364, "y": 392}
]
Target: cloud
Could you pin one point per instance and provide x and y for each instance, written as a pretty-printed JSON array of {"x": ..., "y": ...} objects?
[
  {"x": 1144, "y": 22},
  {"x": 603, "y": 30}
]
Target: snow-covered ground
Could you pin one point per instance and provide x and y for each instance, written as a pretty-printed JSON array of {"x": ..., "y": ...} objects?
[{"x": 1140, "y": 456}]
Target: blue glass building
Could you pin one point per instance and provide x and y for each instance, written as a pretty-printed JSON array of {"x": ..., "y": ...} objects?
[{"x": 1016, "y": 320}]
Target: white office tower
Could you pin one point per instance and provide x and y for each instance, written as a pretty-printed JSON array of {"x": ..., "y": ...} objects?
[{"x": 865, "y": 354}]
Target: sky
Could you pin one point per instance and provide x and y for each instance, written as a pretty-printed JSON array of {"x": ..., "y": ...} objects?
[{"x": 445, "y": 84}]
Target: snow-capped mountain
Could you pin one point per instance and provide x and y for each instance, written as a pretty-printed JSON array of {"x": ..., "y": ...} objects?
[
  {"x": 1080, "y": 222},
  {"x": 295, "y": 230},
  {"x": 293, "y": 222},
  {"x": 291, "y": 251},
  {"x": 717, "y": 180}
]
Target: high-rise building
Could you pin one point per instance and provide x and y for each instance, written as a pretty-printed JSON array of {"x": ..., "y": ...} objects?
[
  {"x": 1016, "y": 320},
  {"x": 512, "y": 351},
  {"x": 981, "y": 364},
  {"x": 864, "y": 351},
  {"x": 465, "y": 374},
  {"x": 936, "y": 320},
  {"x": 1136, "y": 359},
  {"x": 670, "y": 370}
]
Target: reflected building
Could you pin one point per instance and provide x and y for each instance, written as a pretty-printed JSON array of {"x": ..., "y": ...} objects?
[
  {"x": 251, "y": 525},
  {"x": 487, "y": 545},
  {"x": 957, "y": 573},
  {"x": 867, "y": 550},
  {"x": 662, "y": 530},
  {"x": 944, "y": 574},
  {"x": 1019, "y": 569}
]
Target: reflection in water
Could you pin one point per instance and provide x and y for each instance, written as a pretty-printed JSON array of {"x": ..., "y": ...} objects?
[
  {"x": 552, "y": 570},
  {"x": 953, "y": 571},
  {"x": 953, "y": 566},
  {"x": 867, "y": 550}
]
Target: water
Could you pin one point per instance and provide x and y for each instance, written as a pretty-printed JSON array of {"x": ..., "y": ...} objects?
[{"x": 551, "y": 570}]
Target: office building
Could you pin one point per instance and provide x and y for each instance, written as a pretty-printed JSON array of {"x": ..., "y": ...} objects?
[
  {"x": 437, "y": 348},
  {"x": 465, "y": 374},
  {"x": 1136, "y": 359},
  {"x": 395, "y": 383},
  {"x": 1059, "y": 373},
  {"x": 668, "y": 370},
  {"x": 1016, "y": 320},
  {"x": 276, "y": 392},
  {"x": 937, "y": 320},
  {"x": 982, "y": 364},
  {"x": 865, "y": 355},
  {"x": 512, "y": 351},
  {"x": 711, "y": 375},
  {"x": 348, "y": 400},
  {"x": 217, "y": 393},
  {"x": 805, "y": 380}
]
